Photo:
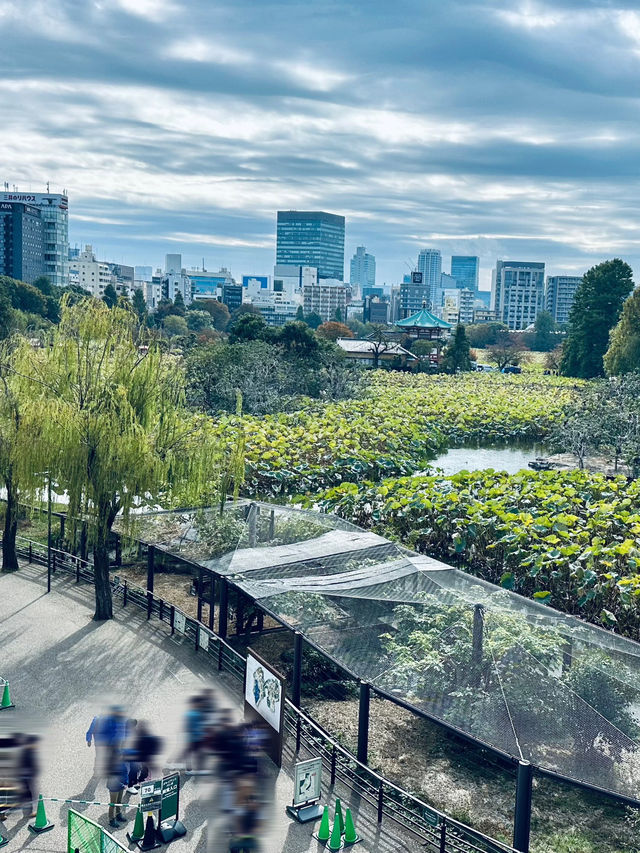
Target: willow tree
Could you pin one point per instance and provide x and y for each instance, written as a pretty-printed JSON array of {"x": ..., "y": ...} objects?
[{"x": 108, "y": 416}]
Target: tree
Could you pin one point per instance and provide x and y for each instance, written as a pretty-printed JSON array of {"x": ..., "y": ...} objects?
[
  {"x": 179, "y": 307},
  {"x": 6, "y": 310},
  {"x": 332, "y": 331},
  {"x": 382, "y": 341},
  {"x": 596, "y": 309},
  {"x": 456, "y": 356},
  {"x": 12, "y": 439},
  {"x": 508, "y": 350},
  {"x": 544, "y": 338},
  {"x": 299, "y": 314},
  {"x": 199, "y": 320},
  {"x": 553, "y": 359},
  {"x": 43, "y": 284},
  {"x": 250, "y": 327},
  {"x": 337, "y": 315},
  {"x": 110, "y": 297},
  {"x": 297, "y": 339},
  {"x": 218, "y": 310},
  {"x": 623, "y": 355},
  {"x": 483, "y": 335},
  {"x": 139, "y": 305},
  {"x": 313, "y": 320},
  {"x": 109, "y": 425},
  {"x": 175, "y": 326}
]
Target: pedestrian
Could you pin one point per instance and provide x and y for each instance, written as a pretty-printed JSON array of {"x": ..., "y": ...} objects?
[
  {"x": 116, "y": 783},
  {"x": 28, "y": 769},
  {"x": 142, "y": 753},
  {"x": 194, "y": 732},
  {"x": 247, "y": 819}
]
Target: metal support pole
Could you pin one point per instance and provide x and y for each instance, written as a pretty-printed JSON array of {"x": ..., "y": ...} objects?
[
  {"x": 477, "y": 643},
  {"x": 298, "y": 732},
  {"x": 49, "y": 530},
  {"x": 62, "y": 520},
  {"x": 151, "y": 559},
  {"x": 522, "y": 819},
  {"x": 124, "y": 593},
  {"x": 224, "y": 608},
  {"x": 296, "y": 676},
  {"x": 30, "y": 552},
  {"x": 333, "y": 765},
  {"x": 363, "y": 722},
  {"x": 253, "y": 518},
  {"x": 443, "y": 837},
  {"x": 272, "y": 524},
  {"x": 212, "y": 600},
  {"x": 380, "y": 801},
  {"x": 200, "y": 597}
]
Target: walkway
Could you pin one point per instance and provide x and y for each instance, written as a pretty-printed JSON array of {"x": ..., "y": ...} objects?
[{"x": 63, "y": 667}]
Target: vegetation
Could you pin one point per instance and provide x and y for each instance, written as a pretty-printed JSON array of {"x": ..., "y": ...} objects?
[
  {"x": 596, "y": 309},
  {"x": 457, "y": 357},
  {"x": 623, "y": 355},
  {"x": 106, "y": 419},
  {"x": 570, "y": 539}
]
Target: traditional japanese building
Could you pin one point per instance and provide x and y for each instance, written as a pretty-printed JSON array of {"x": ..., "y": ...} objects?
[{"x": 424, "y": 325}]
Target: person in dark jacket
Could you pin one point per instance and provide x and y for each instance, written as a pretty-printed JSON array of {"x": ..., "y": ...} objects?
[{"x": 28, "y": 770}]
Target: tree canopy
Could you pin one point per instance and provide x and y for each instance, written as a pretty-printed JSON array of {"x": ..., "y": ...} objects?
[
  {"x": 106, "y": 412},
  {"x": 596, "y": 309},
  {"x": 623, "y": 355},
  {"x": 456, "y": 356}
]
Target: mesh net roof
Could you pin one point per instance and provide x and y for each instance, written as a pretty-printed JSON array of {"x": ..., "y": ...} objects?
[{"x": 512, "y": 673}]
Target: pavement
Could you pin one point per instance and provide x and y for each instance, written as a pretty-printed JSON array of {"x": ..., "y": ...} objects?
[{"x": 63, "y": 668}]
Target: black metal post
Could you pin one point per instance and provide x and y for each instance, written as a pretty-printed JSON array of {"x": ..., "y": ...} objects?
[
  {"x": 363, "y": 722},
  {"x": 78, "y": 570},
  {"x": 151, "y": 559},
  {"x": 252, "y": 520},
  {"x": 223, "y": 609},
  {"x": 298, "y": 732},
  {"x": 443, "y": 837},
  {"x": 380, "y": 801},
  {"x": 522, "y": 820},
  {"x": 212, "y": 601},
  {"x": 173, "y": 620},
  {"x": 296, "y": 676},
  {"x": 30, "y": 552},
  {"x": 124, "y": 594},
  {"x": 49, "y": 530},
  {"x": 200, "y": 596},
  {"x": 62, "y": 520},
  {"x": 333, "y": 765},
  {"x": 272, "y": 524}
]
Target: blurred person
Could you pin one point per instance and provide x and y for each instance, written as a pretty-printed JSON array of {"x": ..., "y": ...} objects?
[
  {"x": 246, "y": 818},
  {"x": 194, "y": 733},
  {"x": 117, "y": 778},
  {"x": 108, "y": 732},
  {"x": 129, "y": 753},
  {"x": 143, "y": 753},
  {"x": 28, "y": 769},
  {"x": 228, "y": 745}
]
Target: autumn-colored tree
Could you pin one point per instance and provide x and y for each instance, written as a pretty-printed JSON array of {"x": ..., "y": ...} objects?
[{"x": 334, "y": 330}]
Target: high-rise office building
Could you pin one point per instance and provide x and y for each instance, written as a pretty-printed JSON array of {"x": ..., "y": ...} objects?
[
  {"x": 21, "y": 241},
  {"x": 311, "y": 239},
  {"x": 518, "y": 292},
  {"x": 412, "y": 296},
  {"x": 363, "y": 270},
  {"x": 54, "y": 211},
  {"x": 430, "y": 265},
  {"x": 465, "y": 268},
  {"x": 561, "y": 290}
]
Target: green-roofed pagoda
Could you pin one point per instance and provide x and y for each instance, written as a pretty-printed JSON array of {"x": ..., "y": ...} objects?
[{"x": 424, "y": 325}]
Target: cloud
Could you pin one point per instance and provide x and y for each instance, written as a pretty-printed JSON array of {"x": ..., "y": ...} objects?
[{"x": 488, "y": 128}]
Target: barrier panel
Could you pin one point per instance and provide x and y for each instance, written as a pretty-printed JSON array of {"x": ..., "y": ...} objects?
[{"x": 86, "y": 836}]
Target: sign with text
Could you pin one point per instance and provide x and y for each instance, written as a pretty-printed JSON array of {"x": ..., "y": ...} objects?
[
  {"x": 151, "y": 795},
  {"x": 307, "y": 779},
  {"x": 179, "y": 622},
  {"x": 170, "y": 796},
  {"x": 264, "y": 702}
]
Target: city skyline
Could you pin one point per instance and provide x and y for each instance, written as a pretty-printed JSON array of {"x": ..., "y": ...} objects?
[{"x": 192, "y": 129}]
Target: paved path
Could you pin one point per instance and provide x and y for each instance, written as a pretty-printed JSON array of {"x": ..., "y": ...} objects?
[{"x": 63, "y": 667}]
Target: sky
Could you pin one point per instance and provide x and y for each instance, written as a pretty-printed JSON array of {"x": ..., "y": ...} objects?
[{"x": 502, "y": 129}]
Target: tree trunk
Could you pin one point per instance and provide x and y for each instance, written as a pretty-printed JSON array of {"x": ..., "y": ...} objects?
[
  {"x": 104, "y": 604},
  {"x": 9, "y": 556}
]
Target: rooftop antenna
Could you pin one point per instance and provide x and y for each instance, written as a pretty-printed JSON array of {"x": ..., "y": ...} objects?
[{"x": 47, "y": 187}]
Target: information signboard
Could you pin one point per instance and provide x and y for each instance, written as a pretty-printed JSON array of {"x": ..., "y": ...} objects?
[
  {"x": 203, "y": 639},
  {"x": 170, "y": 793},
  {"x": 307, "y": 781},
  {"x": 264, "y": 701},
  {"x": 151, "y": 795},
  {"x": 179, "y": 622}
]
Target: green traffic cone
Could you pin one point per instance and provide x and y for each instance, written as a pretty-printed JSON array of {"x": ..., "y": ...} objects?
[
  {"x": 138, "y": 827},
  {"x": 338, "y": 817},
  {"x": 41, "y": 824},
  {"x": 335, "y": 842},
  {"x": 6, "y": 700},
  {"x": 350, "y": 834},
  {"x": 323, "y": 832}
]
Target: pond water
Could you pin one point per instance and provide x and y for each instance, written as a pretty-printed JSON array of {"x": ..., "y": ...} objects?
[{"x": 510, "y": 459}]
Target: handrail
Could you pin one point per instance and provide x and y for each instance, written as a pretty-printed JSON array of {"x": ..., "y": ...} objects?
[{"x": 435, "y": 828}]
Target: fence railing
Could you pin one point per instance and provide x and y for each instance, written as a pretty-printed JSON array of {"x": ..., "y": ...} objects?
[{"x": 438, "y": 832}]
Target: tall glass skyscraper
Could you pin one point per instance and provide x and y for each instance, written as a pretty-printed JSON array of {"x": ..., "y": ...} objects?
[
  {"x": 465, "y": 268},
  {"x": 363, "y": 270},
  {"x": 311, "y": 239},
  {"x": 430, "y": 265}
]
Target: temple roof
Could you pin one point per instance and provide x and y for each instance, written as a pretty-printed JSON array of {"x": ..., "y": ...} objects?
[{"x": 423, "y": 319}]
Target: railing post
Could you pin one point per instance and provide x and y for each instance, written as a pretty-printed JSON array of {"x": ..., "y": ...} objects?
[
  {"x": 252, "y": 523},
  {"x": 380, "y": 800},
  {"x": 151, "y": 559},
  {"x": 77, "y": 570},
  {"x": 124, "y": 593},
  {"x": 298, "y": 732},
  {"x": 443, "y": 837},
  {"x": 30, "y": 552},
  {"x": 173, "y": 620},
  {"x": 161, "y": 613},
  {"x": 199, "y": 591},
  {"x": 224, "y": 608},
  {"x": 212, "y": 601},
  {"x": 62, "y": 520},
  {"x": 296, "y": 676},
  {"x": 363, "y": 722},
  {"x": 522, "y": 819},
  {"x": 53, "y": 562},
  {"x": 219, "y": 655},
  {"x": 272, "y": 524},
  {"x": 333, "y": 764}
]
